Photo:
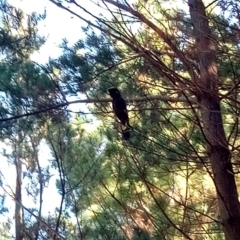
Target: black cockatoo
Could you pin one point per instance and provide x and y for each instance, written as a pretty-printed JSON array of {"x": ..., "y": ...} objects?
[{"x": 120, "y": 109}]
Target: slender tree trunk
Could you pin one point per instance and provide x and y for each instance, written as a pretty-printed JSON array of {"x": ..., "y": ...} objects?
[
  {"x": 18, "y": 191},
  {"x": 212, "y": 123}
]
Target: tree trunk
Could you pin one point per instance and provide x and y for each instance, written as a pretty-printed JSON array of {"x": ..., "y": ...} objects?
[
  {"x": 212, "y": 123},
  {"x": 18, "y": 191}
]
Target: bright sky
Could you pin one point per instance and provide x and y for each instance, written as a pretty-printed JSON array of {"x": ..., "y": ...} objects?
[{"x": 58, "y": 25}]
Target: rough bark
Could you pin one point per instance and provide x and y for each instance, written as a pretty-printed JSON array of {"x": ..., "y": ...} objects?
[{"x": 212, "y": 123}]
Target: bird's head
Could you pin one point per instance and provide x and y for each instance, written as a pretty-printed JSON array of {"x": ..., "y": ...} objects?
[{"x": 114, "y": 92}]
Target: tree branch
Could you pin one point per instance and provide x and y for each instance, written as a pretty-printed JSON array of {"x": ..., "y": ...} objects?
[
  {"x": 160, "y": 33},
  {"x": 140, "y": 99}
]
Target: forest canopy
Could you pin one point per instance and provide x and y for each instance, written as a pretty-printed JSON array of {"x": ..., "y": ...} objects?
[{"x": 176, "y": 176}]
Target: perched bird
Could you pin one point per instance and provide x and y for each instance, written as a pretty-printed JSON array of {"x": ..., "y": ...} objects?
[{"x": 120, "y": 109}]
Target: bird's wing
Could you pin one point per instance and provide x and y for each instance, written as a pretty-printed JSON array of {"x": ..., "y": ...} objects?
[{"x": 121, "y": 104}]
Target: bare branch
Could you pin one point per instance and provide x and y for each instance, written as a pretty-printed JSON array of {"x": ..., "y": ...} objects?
[{"x": 140, "y": 99}]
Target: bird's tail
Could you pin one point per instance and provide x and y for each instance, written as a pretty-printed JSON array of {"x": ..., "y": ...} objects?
[{"x": 126, "y": 133}]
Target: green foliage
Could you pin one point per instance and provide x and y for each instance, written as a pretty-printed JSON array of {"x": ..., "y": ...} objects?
[
  {"x": 155, "y": 186},
  {"x": 165, "y": 150}
]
